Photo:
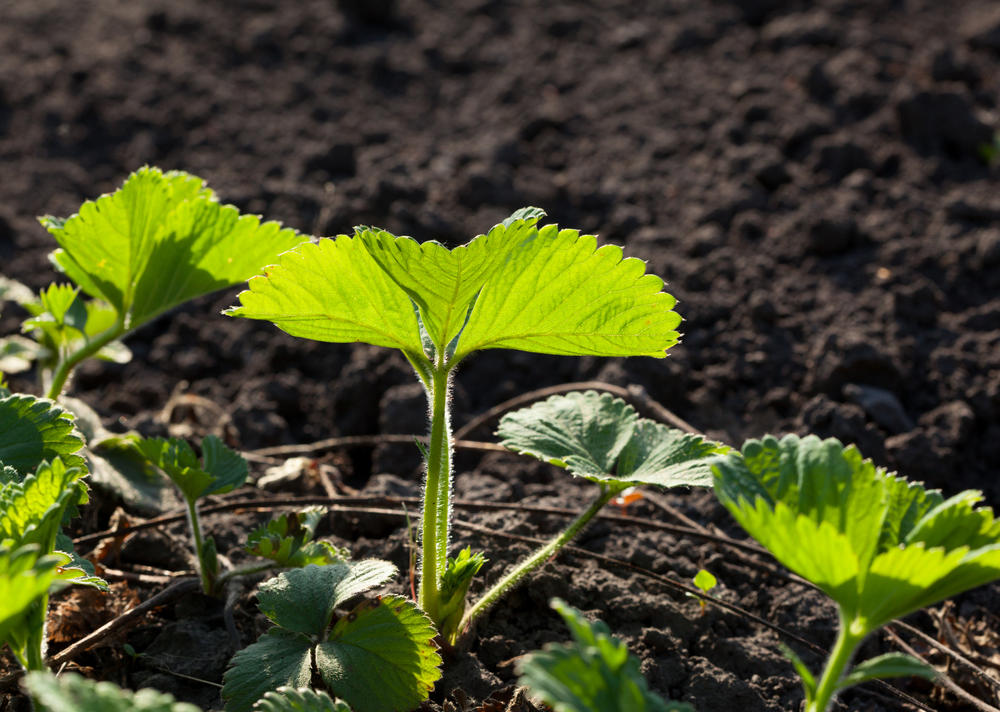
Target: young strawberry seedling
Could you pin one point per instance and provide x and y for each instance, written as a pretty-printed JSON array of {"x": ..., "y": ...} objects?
[
  {"x": 519, "y": 286},
  {"x": 378, "y": 657},
  {"x": 602, "y": 439},
  {"x": 158, "y": 241},
  {"x": 594, "y": 672},
  {"x": 41, "y": 484},
  {"x": 286, "y": 541},
  {"x": 879, "y": 546}
]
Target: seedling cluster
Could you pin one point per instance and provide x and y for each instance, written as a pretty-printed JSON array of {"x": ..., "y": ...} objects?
[{"x": 879, "y": 546}]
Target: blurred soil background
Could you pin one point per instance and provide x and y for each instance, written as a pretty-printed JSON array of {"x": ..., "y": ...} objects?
[{"x": 816, "y": 181}]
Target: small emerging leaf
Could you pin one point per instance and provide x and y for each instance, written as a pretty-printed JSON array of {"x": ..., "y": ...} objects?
[
  {"x": 705, "y": 580},
  {"x": 287, "y": 540},
  {"x": 220, "y": 470}
]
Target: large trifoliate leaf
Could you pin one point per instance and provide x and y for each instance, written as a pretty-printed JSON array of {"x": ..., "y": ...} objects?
[
  {"x": 333, "y": 291},
  {"x": 219, "y": 471},
  {"x": 601, "y": 438},
  {"x": 546, "y": 290},
  {"x": 159, "y": 240},
  {"x": 596, "y": 672},
  {"x": 289, "y": 699},
  {"x": 72, "y": 693},
  {"x": 879, "y": 546},
  {"x": 36, "y": 429},
  {"x": 379, "y": 657},
  {"x": 558, "y": 293},
  {"x": 443, "y": 282}
]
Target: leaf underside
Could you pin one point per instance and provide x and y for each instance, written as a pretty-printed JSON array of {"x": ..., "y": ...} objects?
[
  {"x": 880, "y": 546},
  {"x": 602, "y": 438},
  {"x": 541, "y": 290},
  {"x": 160, "y": 240}
]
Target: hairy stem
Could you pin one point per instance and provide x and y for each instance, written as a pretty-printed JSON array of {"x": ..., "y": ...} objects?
[
  {"x": 848, "y": 639},
  {"x": 207, "y": 582},
  {"x": 543, "y": 554},
  {"x": 67, "y": 364},
  {"x": 437, "y": 495}
]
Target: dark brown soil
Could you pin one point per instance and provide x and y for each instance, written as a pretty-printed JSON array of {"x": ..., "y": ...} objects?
[{"x": 809, "y": 177}]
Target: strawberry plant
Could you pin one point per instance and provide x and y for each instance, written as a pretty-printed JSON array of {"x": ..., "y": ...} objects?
[
  {"x": 881, "y": 547},
  {"x": 286, "y": 541},
  {"x": 378, "y": 657},
  {"x": 158, "y": 241},
  {"x": 41, "y": 484},
  {"x": 602, "y": 439},
  {"x": 519, "y": 286},
  {"x": 595, "y": 672}
]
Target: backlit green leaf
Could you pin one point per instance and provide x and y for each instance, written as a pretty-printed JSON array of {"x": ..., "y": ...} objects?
[
  {"x": 279, "y": 657},
  {"x": 333, "y": 291},
  {"x": 381, "y": 657},
  {"x": 443, "y": 282},
  {"x": 558, "y": 293},
  {"x": 159, "y": 240},
  {"x": 72, "y": 693},
  {"x": 31, "y": 511},
  {"x": 36, "y": 429},
  {"x": 879, "y": 546},
  {"x": 25, "y": 576}
]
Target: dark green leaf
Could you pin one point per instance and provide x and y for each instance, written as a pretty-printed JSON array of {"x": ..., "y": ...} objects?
[
  {"x": 279, "y": 657},
  {"x": 36, "y": 429},
  {"x": 303, "y": 600},
  {"x": 381, "y": 657}
]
